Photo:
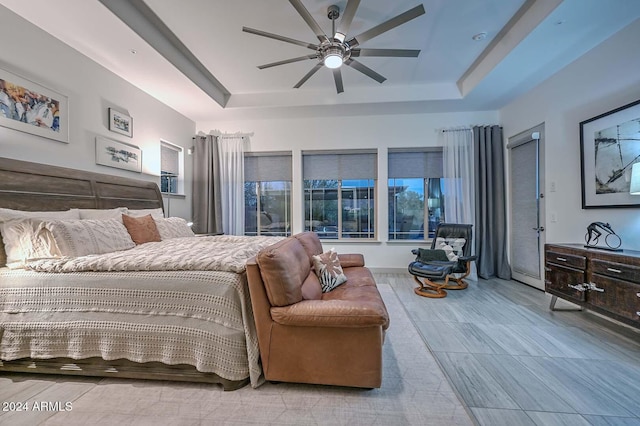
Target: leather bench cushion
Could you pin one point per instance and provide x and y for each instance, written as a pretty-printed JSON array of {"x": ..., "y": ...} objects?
[
  {"x": 311, "y": 243},
  {"x": 311, "y": 288},
  {"x": 333, "y": 313},
  {"x": 284, "y": 266}
]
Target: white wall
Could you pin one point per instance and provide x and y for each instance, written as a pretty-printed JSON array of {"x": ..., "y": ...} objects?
[
  {"x": 91, "y": 89},
  {"x": 381, "y": 132},
  {"x": 603, "y": 79}
]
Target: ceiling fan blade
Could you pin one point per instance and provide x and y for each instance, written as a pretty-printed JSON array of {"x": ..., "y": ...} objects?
[
  {"x": 347, "y": 17},
  {"x": 280, "y": 38},
  {"x": 308, "y": 75},
  {"x": 287, "y": 61},
  {"x": 365, "y": 70},
  {"x": 387, "y": 25},
  {"x": 337, "y": 77},
  {"x": 297, "y": 4},
  {"x": 388, "y": 53}
]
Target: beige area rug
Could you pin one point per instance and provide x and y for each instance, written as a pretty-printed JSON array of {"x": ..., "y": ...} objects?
[{"x": 414, "y": 392}]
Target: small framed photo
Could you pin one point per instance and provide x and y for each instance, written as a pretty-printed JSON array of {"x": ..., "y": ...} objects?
[
  {"x": 120, "y": 123},
  {"x": 609, "y": 147},
  {"x": 117, "y": 154}
]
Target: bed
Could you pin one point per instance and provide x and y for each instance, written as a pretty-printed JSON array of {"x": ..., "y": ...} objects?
[{"x": 170, "y": 316}]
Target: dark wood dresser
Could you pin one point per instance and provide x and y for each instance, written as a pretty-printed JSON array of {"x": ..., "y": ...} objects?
[{"x": 603, "y": 281}]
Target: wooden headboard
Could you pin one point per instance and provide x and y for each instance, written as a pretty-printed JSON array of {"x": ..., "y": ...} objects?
[{"x": 38, "y": 187}]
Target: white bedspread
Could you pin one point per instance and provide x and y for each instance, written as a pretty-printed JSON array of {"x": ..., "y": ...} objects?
[{"x": 156, "y": 302}]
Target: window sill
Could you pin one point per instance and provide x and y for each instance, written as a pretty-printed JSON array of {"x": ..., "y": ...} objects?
[{"x": 172, "y": 195}]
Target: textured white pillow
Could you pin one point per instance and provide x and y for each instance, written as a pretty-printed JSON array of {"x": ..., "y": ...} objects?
[
  {"x": 82, "y": 237},
  {"x": 8, "y": 214},
  {"x": 173, "y": 227},
  {"x": 155, "y": 213},
  {"x": 103, "y": 214},
  {"x": 24, "y": 239}
]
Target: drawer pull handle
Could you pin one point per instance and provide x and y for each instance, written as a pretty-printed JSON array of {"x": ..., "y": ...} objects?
[
  {"x": 579, "y": 287},
  {"x": 561, "y": 259},
  {"x": 547, "y": 269},
  {"x": 617, "y": 271},
  {"x": 594, "y": 287},
  {"x": 638, "y": 294}
]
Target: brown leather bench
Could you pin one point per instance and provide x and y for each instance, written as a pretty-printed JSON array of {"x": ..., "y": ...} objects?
[{"x": 307, "y": 336}]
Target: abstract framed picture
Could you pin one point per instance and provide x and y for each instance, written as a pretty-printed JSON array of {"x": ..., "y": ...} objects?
[
  {"x": 29, "y": 107},
  {"x": 609, "y": 146},
  {"x": 117, "y": 154},
  {"x": 120, "y": 122}
]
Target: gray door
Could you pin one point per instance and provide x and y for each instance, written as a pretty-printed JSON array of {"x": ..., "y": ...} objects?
[{"x": 526, "y": 206}]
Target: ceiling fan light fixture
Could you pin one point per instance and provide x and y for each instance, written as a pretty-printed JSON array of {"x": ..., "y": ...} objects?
[
  {"x": 333, "y": 57},
  {"x": 333, "y": 61}
]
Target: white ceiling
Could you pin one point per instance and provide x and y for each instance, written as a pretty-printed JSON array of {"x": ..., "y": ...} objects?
[{"x": 452, "y": 73}]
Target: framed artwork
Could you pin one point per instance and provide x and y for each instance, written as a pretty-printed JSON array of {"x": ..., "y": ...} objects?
[
  {"x": 120, "y": 123},
  {"x": 32, "y": 108},
  {"x": 609, "y": 146},
  {"x": 118, "y": 154}
]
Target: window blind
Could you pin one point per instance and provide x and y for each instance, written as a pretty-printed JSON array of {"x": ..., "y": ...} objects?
[
  {"x": 170, "y": 159},
  {"x": 415, "y": 163},
  {"x": 340, "y": 165},
  {"x": 267, "y": 167}
]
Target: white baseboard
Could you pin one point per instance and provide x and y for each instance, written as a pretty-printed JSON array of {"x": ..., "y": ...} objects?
[{"x": 388, "y": 270}]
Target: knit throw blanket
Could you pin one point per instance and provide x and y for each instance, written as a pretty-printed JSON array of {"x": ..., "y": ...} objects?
[{"x": 227, "y": 253}]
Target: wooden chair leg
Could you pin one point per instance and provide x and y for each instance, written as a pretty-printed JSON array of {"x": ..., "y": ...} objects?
[
  {"x": 429, "y": 289},
  {"x": 461, "y": 283}
]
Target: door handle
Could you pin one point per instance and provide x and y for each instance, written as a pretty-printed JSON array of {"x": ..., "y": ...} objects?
[{"x": 539, "y": 229}]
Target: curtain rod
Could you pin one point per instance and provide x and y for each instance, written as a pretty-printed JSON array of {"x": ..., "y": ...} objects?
[
  {"x": 467, "y": 129},
  {"x": 223, "y": 134}
]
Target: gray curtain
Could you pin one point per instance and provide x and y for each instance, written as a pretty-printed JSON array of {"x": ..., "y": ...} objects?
[
  {"x": 491, "y": 218},
  {"x": 206, "y": 207}
]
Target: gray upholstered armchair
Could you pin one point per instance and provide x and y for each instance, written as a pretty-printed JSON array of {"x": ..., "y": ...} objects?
[{"x": 449, "y": 258}]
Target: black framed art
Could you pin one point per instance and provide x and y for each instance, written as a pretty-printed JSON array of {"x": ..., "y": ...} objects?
[{"x": 609, "y": 146}]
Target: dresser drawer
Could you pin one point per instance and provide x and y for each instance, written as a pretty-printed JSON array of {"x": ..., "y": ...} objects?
[
  {"x": 565, "y": 282},
  {"x": 571, "y": 260},
  {"x": 616, "y": 270},
  {"x": 616, "y": 296}
]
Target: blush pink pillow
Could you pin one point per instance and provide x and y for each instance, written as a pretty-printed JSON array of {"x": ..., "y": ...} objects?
[{"x": 142, "y": 229}]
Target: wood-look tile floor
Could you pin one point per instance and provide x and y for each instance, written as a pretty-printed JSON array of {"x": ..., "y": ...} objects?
[
  {"x": 414, "y": 392},
  {"x": 513, "y": 362}
]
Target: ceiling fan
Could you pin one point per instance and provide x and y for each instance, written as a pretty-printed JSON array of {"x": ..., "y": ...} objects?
[{"x": 336, "y": 50}]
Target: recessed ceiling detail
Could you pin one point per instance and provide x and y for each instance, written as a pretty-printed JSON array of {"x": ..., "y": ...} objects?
[
  {"x": 213, "y": 73},
  {"x": 336, "y": 49}
]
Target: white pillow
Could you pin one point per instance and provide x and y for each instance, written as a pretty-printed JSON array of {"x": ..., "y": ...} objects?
[
  {"x": 8, "y": 214},
  {"x": 173, "y": 227},
  {"x": 24, "y": 239},
  {"x": 82, "y": 237},
  {"x": 103, "y": 213},
  {"x": 155, "y": 213}
]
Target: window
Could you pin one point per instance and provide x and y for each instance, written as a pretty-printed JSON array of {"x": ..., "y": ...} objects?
[
  {"x": 170, "y": 165},
  {"x": 416, "y": 196},
  {"x": 267, "y": 193},
  {"x": 339, "y": 193}
]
